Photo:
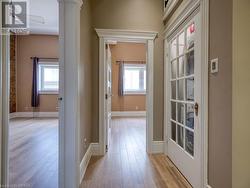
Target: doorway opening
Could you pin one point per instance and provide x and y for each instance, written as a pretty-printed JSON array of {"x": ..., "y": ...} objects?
[
  {"x": 126, "y": 97},
  {"x": 105, "y": 37},
  {"x": 33, "y": 131}
]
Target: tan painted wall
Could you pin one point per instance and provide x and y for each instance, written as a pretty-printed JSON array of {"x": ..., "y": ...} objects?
[
  {"x": 241, "y": 93},
  {"x": 220, "y": 95},
  {"x": 126, "y": 52},
  {"x": 85, "y": 82},
  {"x": 30, "y": 46},
  {"x": 133, "y": 15}
]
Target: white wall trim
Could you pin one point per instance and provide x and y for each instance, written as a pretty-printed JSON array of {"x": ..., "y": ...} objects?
[
  {"x": 69, "y": 118},
  {"x": 84, "y": 163},
  {"x": 95, "y": 148},
  {"x": 208, "y": 186},
  {"x": 33, "y": 114},
  {"x": 171, "y": 5},
  {"x": 128, "y": 114},
  {"x": 146, "y": 37},
  {"x": 158, "y": 147},
  {"x": 126, "y": 34},
  {"x": 188, "y": 9}
]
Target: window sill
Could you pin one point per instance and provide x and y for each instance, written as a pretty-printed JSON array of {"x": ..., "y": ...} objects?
[
  {"x": 48, "y": 93},
  {"x": 129, "y": 94}
]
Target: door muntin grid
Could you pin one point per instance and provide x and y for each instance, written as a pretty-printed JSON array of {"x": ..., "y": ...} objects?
[{"x": 182, "y": 61}]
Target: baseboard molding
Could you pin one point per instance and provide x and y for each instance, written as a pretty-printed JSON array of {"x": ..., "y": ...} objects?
[
  {"x": 85, "y": 162},
  {"x": 158, "y": 147},
  {"x": 95, "y": 148},
  {"x": 128, "y": 114},
  {"x": 33, "y": 114},
  {"x": 208, "y": 186}
]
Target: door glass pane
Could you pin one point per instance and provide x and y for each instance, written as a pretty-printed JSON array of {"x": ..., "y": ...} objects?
[
  {"x": 190, "y": 36},
  {"x": 190, "y": 89},
  {"x": 181, "y": 89},
  {"x": 174, "y": 49},
  {"x": 181, "y": 67},
  {"x": 190, "y": 116},
  {"x": 181, "y": 43},
  {"x": 189, "y": 142},
  {"x": 190, "y": 63},
  {"x": 173, "y": 131},
  {"x": 173, "y": 109},
  {"x": 173, "y": 89},
  {"x": 180, "y": 132},
  {"x": 181, "y": 109},
  {"x": 174, "y": 69}
]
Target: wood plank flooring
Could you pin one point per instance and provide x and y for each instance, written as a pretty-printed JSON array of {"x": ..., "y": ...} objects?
[
  {"x": 127, "y": 165},
  {"x": 33, "y": 153}
]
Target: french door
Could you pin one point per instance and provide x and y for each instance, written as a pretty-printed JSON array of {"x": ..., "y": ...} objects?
[{"x": 184, "y": 86}]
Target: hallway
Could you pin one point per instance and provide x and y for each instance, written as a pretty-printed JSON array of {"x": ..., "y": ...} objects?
[{"x": 127, "y": 163}]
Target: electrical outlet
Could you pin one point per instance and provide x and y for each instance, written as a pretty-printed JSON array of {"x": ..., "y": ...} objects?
[{"x": 214, "y": 66}]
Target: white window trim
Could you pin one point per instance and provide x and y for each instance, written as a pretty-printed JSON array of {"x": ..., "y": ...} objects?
[
  {"x": 46, "y": 92},
  {"x": 140, "y": 91}
]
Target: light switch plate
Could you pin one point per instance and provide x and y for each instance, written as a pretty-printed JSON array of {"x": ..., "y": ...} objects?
[{"x": 214, "y": 66}]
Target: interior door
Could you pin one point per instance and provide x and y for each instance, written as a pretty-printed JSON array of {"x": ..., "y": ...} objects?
[
  {"x": 184, "y": 125},
  {"x": 108, "y": 94}
]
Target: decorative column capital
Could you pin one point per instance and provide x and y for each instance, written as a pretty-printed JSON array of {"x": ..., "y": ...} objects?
[{"x": 79, "y": 2}]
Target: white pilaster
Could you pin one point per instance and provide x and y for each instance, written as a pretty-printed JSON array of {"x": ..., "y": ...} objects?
[{"x": 69, "y": 39}]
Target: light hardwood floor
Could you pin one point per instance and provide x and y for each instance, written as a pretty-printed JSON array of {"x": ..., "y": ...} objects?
[
  {"x": 33, "y": 153},
  {"x": 128, "y": 165}
]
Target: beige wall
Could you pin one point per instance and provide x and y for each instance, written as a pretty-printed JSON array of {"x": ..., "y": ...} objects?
[
  {"x": 30, "y": 46},
  {"x": 126, "y": 52},
  {"x": 85, "y": 79},
  {"x": 241, "y": 93},
  {"x": 220, "y": 95},
  {"x": 133, "y": 15}
]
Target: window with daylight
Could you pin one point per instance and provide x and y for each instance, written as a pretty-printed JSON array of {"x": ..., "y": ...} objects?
[
  {"x": 134, "y": 79},
  {"x": 48, "y": 79}
]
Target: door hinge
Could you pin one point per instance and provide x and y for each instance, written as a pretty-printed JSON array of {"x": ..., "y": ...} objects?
[
  {"x": 106, "y": 148},
  {"x": 106, "y": 96}
]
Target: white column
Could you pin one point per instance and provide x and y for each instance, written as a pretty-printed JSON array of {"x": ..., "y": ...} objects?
[{"x": 69, "y": 38}]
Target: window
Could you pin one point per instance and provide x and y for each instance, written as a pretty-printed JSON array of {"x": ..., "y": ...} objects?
[
  {"x": 134, "y": 79},
  {"x": 48, "y": 77}
]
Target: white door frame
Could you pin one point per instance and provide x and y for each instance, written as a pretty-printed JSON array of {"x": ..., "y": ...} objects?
[
  {"x": 145, "y": 37},
  {"x": 182, "y": 16},
  {"x": 69, "y": 58}
]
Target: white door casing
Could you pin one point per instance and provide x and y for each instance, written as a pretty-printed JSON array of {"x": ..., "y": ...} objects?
[
  {"x": 183, "y": 18},
  {"x": 146, "y": 37},
  {"x": 108, "y": 94}
]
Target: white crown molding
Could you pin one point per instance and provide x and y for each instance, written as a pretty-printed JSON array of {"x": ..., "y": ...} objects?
[
  {"x": 126, "y": 34},
  {"x": 44, "y": 31}
]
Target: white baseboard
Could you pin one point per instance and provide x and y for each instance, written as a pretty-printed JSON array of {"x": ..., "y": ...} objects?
[
  {"x": 33, "y": 114},
  {"x": 85, "y": 162},
  {"x": 158, "y": 147},
  {"x": 128, "y": 114},
  {"x": 95, "y": 148},
  {"x": 208, "y": 186}
]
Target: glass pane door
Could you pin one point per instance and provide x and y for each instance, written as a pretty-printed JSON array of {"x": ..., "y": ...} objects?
[{"x": 182, "y": 49}]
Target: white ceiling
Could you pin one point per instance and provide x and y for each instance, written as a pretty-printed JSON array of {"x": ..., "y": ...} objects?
[{"x": 44, "y": 17}]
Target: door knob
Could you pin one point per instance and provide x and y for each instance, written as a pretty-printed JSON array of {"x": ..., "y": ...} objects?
[{"x": 196, "y": 109}]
